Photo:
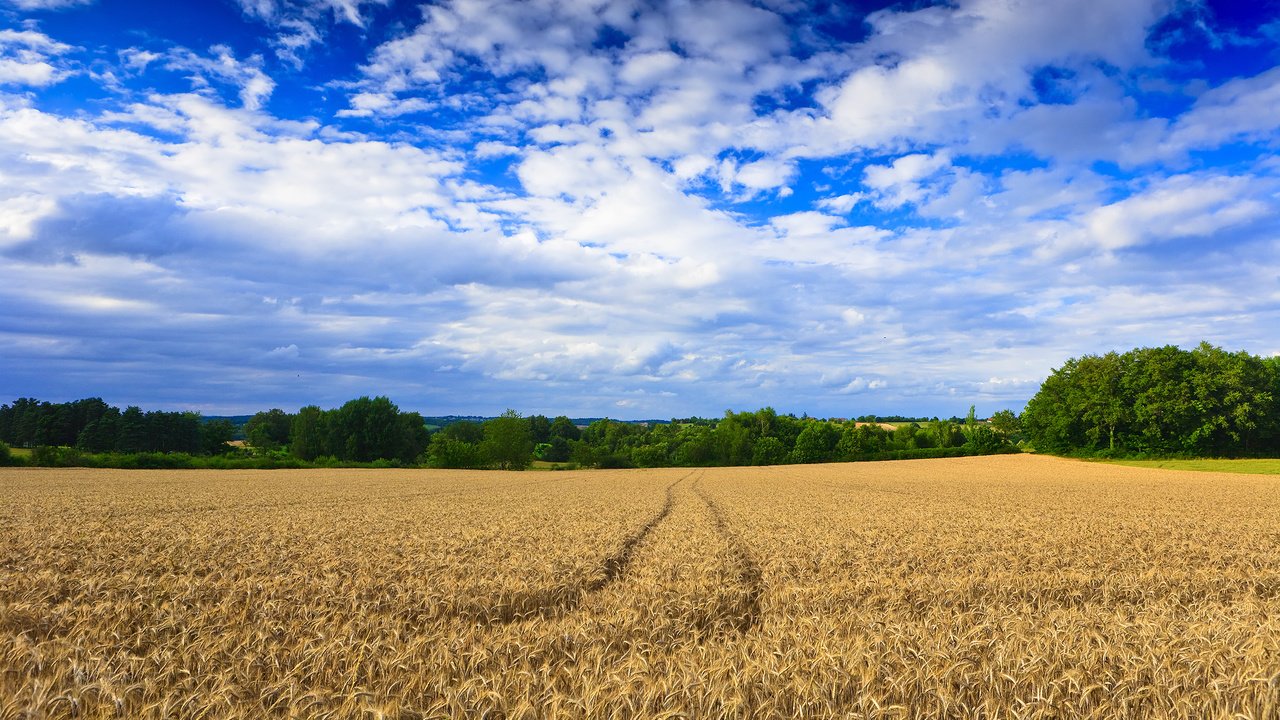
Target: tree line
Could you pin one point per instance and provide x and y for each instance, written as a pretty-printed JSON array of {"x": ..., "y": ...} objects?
[
  {"x": 1159, "y": 401},
  {"x": 375, "y": 431},
  {"x": 763, "y": 437},
  {"x": 96, "y": 427}
]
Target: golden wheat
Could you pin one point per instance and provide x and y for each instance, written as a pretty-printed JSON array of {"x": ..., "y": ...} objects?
[{"x": 1004, "y": 587}]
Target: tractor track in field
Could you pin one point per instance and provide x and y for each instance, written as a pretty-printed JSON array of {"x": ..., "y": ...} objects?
[
  {"x": 562, "y": 599},
  {"x": 749, "y": 572},
  {"x": 617, "y": 563}
]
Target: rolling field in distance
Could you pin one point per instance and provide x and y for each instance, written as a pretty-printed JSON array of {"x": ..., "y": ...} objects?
[
  {"x": 1006, "y": 586},
  {"x": 1251, "y": 466}
]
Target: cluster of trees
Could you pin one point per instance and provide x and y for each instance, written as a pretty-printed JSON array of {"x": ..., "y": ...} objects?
[
  {"x": 94, "y": 426},
  {"x": 374, "y": 430},
  {"x": 762, "y": 437},
  {"x": 1159, "y": 401},
  {"x": 363, "y": 430}
]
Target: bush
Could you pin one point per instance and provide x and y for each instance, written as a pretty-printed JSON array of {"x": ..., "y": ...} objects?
[
  {"x": 50, "y": 456},
  {"x": 7, "y": 458}
]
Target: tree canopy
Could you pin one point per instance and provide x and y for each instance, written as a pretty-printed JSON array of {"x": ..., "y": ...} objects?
[{"x": 1162, "y": 400}]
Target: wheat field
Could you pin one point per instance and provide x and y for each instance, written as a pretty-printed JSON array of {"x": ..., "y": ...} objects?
[{"x": 996, "y": 587}]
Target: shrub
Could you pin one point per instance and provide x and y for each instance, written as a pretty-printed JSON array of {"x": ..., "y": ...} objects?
[{"x": 7, "y": 458}]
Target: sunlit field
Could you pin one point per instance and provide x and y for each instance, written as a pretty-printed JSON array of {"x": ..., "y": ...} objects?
[
  {"x": 1251, "y": 466},
  {"x": 1007, "y": 586}
]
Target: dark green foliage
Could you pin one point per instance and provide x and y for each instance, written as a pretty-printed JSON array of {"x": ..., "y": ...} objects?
[
  {"x": 132, "y": 435},
  {"x": 1008, "y": 425},
  {"x": 651, "y": 456},
  {"x": 214, "y": 436},
  {"x": 368, "y": 429},
  {"x": 508, "y": 443},
  {"x": 100, "y": 435},
  {"x": 269, "y": 430},
  {"x": 539, "y": 428},
  {"x": 557, "y": 450},
  {"x": 861, "y": 441},
  {"x": 563, "y": 427},
  {"x": 448, "y": 452},
  {"x": 816, "y": 443},
  {"x": 983, "y": 440},
  {"x": 1158, "y": 401},
  {"x": 769, "y": 450},
  {"x": 309, "y": 434},
  {"x": 7, "y": 458},
  {"x": 373, "y": 432},
  {"x": 464, "y": 430}
]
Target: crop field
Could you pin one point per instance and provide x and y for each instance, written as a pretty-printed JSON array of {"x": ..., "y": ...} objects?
[{"x": 991, "y": 587}]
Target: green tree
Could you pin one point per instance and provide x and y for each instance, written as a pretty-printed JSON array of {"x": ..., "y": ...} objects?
[
  {"x": 649, "y": 456},
  {"x": 215, "y": 436},
  {"x": 1157, "y": 400},
  {"x": 463, "y": 430},
  {"x": 558, "y": 450},
  {"x": 816, "y": 442},
  {"x": 563, "y": 427},
  {"x": 769, "y": 450},
  {"x": 101, "y": 435},
  {"x": 449, "y": 452},
  {"x": 310, "y": 434},
  {"x": 367, "y": 429},
  {"x": 269, "y": 430},
  {"x": 733, "y": 439},
  {"x": 539, "y": 428},
  {"x": 1234, "y": 400},
  {"x": 1007, "y": 424},
  {"x": 507, "y": 441},
  {"x": 7, "y": 457},
  {"x": 1101, "y": 399},
  {"x": 860, "y": 441},
  {"x": 132, "y": 437}
]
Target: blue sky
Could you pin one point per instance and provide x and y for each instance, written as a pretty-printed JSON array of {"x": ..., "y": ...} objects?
[{"x": 634, "y": 209}]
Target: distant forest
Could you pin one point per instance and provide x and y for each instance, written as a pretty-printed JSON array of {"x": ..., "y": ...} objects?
[
  {"x": 1156, "y": 402},
  {"x": 374, "y": 431}
]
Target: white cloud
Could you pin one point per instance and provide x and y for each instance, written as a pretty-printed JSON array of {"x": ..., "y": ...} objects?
[
  {"x": 841, "y": 203},
  {"x": 1181, "y": 206},
  {"x": 1240, "y": 109},
  {"x": 30, "y": 58},
  {"x": 285, "y": 352},
  {"x": 47, "y": 4},
  {"x": 302, "y": 23},
  {"x": 942, "y": 73},
  {"x": 636, "y": 243},
  {"x": 902, "y": 181}
]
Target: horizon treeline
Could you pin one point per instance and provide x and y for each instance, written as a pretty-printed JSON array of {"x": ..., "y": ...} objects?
[
  {"x": 375, "y": 431},
  {"x": 1159, "y": 401},
  {"x": 94, "y": 426}
]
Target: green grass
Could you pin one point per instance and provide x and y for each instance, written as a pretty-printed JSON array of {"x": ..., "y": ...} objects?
[
  {"x": 544, "y": 465},
  {"x": 1251, "y": 466},
  {"x": 21, "y": 452}
]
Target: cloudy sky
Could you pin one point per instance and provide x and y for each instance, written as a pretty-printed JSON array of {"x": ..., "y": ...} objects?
[{"x": 633, "y": 208}]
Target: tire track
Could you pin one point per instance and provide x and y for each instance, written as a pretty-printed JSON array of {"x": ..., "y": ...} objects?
[
  {"x": 749, "y": 572},
  {"x": 617, "y": 563},
  {"x": 549, "y": 602}
]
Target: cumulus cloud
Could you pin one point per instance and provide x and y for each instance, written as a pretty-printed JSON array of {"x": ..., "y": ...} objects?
[
  {"x": 31, "y": 58},
  {"x": 569, "y": 206},
  {"x": 47, "y": 4},
  {"x": 299, "y": 24},
  {"x": 220, "y": 66}
]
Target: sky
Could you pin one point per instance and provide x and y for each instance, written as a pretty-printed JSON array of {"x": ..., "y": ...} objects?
[{"x": 629, "y": 209}]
